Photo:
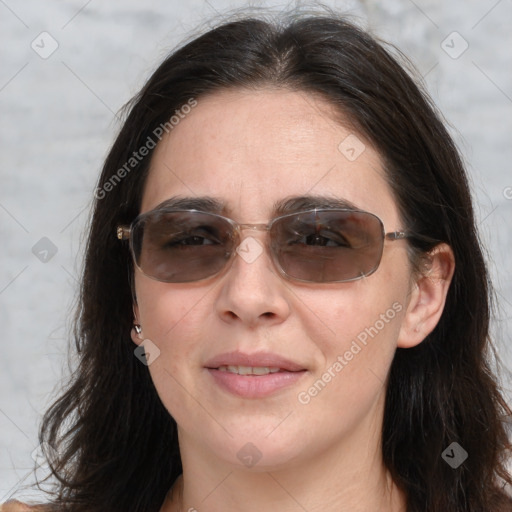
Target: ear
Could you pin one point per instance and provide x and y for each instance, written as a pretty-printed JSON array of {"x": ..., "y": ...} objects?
[
  {"x": 427, "y": 297},
  {"x": 137, "y": 338}
]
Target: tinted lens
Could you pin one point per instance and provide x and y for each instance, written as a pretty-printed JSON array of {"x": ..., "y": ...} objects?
[
  {"x": 181, "y": 246},
  {"x": 328, "y": 245}
]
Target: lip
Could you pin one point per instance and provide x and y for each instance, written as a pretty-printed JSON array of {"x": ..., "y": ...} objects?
[
  {"x": 257, "y": 359},
  {"x": 254, "y": 386}
]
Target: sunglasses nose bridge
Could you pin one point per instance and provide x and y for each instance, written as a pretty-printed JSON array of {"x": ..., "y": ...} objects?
[
  {"x": 253, "y": 227},
  {"x": 249, "y": 227},
  {"x": 239, "y": 228},
  {"x": 236, "y": 237}
]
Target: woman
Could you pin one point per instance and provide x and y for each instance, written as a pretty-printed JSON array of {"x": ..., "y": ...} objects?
[{"x": 284, "y": 303}]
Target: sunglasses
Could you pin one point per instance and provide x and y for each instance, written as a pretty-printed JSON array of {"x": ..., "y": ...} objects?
[{"x": 319, "y": 246}]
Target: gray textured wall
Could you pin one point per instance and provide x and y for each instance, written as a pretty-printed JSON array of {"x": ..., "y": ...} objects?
[{"x": 58, "y": 121}]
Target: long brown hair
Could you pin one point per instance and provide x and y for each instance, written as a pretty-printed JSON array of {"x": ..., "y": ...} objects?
[{"x": 116, "y": 446}]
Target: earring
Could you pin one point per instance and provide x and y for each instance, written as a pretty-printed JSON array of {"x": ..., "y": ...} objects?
[{"x": 138, "y": 328}]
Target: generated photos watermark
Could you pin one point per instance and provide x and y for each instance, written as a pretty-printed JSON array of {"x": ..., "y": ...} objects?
[
  {"x": 147, "y": 352},
  {"x": 249, "y": 455},
  {"x": 249, "y": 249},
  {"x": 151, "y": 142},
  {"x": 351, "y": 147},
  {"x": 454, "y": 45},
  {"x": 454, "y": 455},
  {"x": 45, "y": 45},
  {"x": 357, "y": 345}
]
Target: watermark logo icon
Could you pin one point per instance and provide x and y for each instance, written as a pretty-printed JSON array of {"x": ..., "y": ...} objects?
[
  {"x": 507, "y": 192},
  {"x": 44, "y": 250},
  {"x": 44, "y": 45},
  {"x": 147, "y": 352},
  {"x": 351, "y": 147},
  {"x": 250, "y": 249},
  {"x": 249, "y": 455},
  {"x": 454, "y": 455},
  {"x": 454, "y": 45}
]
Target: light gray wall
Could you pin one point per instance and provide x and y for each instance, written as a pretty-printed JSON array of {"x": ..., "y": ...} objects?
[{"x": 58, "y": 121}]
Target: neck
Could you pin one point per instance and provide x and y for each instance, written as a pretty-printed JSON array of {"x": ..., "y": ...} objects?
[
  {"x": 346, "y": 478},
  {"x": 270, "y": 494}
]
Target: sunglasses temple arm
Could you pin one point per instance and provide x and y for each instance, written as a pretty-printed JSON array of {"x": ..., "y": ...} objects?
[
  {"x": 397, "y": 235},
  {"x": 400, "y": 235},
  {"x": 123, "y": 232}
]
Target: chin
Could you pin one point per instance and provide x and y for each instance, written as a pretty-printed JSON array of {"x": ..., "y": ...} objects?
[{"x": 258, "y": 449}]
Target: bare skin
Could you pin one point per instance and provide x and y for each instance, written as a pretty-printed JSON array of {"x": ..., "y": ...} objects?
[{"x": 17, "y": 506}]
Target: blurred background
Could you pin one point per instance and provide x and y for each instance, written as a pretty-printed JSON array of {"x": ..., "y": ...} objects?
[{"x": 66, "y": 70}]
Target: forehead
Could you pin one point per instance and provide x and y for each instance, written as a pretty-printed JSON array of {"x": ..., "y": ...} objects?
[{"x": 253, "y": 149}]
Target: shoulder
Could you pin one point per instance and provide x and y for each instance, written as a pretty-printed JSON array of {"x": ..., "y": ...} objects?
[{"x": 17, "y": 506}]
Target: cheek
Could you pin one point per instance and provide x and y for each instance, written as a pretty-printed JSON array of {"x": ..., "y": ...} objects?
[
  {"x": 352, "y": 312},
  {"x": 355, "y": 331},
  {"x": 173, "y": 318},
  {"x": 165, "y": 308},
  {"x": 178, "y": 319}
]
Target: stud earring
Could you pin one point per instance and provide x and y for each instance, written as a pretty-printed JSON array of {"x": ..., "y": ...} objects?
[{"x": 138, "y": 328}]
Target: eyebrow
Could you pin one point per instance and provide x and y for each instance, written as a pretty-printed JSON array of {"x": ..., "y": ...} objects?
[
  {"x": 282, "y": 207},
  {"x": 310, "y": 202}
]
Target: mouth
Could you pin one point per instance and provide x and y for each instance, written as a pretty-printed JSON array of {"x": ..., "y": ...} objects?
[
  {"x": 253, "y": 376},
  {"x": 245, "y": 364},
  {"x": 250, "y": 370}
]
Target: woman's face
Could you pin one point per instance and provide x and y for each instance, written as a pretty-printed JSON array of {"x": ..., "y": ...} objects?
[{"x": 250, "y": 150}]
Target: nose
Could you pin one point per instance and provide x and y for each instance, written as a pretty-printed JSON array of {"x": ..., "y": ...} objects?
[{"x": 252, "y": 292}]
